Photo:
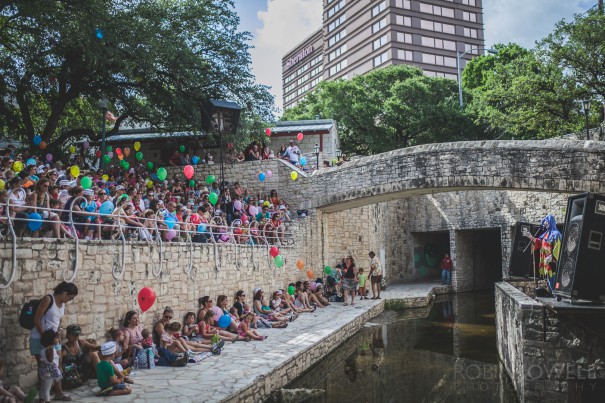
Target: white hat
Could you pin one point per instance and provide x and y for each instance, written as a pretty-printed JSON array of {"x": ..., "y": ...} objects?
[
  {"x": 64, "y": 183},
  {"x": 108, "y": 348},
  {"x": 282, "y": 207},
  {"x": 218, "y": 212},
  {"x": 256, "y": 290},
  {"x": 89, "y": 192},
  {"x": 119, "y": 187},
  {"x": 72, "y": 184},
  {"x": 40, "y": 169}
]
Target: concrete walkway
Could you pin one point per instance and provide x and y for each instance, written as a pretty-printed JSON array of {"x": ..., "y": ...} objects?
[{"x": 248, "y": 372}]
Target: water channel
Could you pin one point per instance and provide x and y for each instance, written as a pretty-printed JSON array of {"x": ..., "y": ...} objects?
[{"x": 444, "y": 352}]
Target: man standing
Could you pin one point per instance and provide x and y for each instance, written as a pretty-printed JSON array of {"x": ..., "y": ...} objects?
[
  {"x": 293, "y": 153},
  {"x": 375, "y": 275},
  {"x": 446, "y": 269}
]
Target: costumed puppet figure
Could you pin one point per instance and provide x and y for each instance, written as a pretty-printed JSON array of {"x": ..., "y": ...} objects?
[{"x": 549, "y": 244}]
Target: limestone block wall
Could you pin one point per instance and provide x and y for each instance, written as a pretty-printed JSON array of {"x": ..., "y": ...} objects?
[
  {"x": 103, "y": 300},
  {"x": 550, "y": 356}
]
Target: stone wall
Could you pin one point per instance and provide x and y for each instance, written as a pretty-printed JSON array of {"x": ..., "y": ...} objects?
[
  {"x": 103, "y": 300},
  {"x": 550, "y": 356}
]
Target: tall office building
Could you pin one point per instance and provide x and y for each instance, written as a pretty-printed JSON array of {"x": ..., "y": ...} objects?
[{"x": 358, "y": 36}]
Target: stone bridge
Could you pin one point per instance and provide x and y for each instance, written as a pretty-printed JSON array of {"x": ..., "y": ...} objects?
[{"x": 564, "y": 166}]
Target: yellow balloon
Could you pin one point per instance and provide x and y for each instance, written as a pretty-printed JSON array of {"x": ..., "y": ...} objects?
[
  {"x": 294, "y": 175},
  {"x": 105, "y": 177},
  {"x": 72, "y": 149},
  {"x": 267, "y": 203},
  {"x": 137, "y": 146},
  {"x": 149, "y": 183},
  {"x": 75, "y": 171},
  {"x": 2, "y": 184},
  {"x": 18, "y": 166}
]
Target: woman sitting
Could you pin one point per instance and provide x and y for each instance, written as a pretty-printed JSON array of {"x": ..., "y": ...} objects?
[
  {"x": 79, "y": 358},
  {"x": 262, "y": 309}
]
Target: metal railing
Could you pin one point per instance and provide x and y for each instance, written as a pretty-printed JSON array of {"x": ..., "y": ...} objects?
[{"x": 216, "y": 232}]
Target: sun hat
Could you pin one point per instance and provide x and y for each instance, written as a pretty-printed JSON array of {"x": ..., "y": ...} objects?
[{"x": 108, "y": 348}]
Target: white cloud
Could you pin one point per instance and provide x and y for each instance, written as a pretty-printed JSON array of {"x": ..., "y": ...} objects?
[{"x": 284, "y": 24}]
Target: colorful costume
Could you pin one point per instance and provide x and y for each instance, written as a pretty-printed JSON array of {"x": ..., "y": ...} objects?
[{"x": 549, "y": 244}]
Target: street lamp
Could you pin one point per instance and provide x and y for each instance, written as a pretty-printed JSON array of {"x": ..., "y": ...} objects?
[
  {"x": 316, "y": 150},
  {"x": 586, "y": 108},
  {"x": 103, "y": 103},
  {"x": 338, "y": 154},
  {"x": 458, "y": 57},
  {"x": 222, "y": 117}
]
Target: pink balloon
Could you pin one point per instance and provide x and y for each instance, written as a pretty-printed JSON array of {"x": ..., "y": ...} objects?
[
  {"x": 269, "y": 174},
  {"x": 252, "y": 210},
  {"x": 170, "y": 234},
  {"x": 188, "y": 171},
  {"x": 237, "y": 204},
  {"x": 244, "y": 217},
  {"x": 313, "y": 285},
  {"x": 218, "y": 312},
  {"x": 110, "y": 154},
  {"x": 49, "y": 157},
  {"x": 85, "y": 145},
  {"x": 299, "y": 137}
]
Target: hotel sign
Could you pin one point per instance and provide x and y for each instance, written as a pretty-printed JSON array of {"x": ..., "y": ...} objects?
[{"x": 299, "y": 56}]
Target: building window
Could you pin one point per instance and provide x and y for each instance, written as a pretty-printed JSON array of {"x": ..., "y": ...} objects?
[
  {"x": 316, "y": 70},
  {"x": 403, "y": 4},
  {"x": 337, "y": 67},
  {"x": 289, "y": 87},
  {"x": 318, "y": 59},
  {"x": 377, "y": 26},
  {"x": 302, "y": 79},
  {"x": 334, "y": 24},
  {"x": 438, "y": 43},
  {"x": 466, "y": 16},
  {"x": 316, "y": 81},
  {"x": 470, "y": 32},
  {"x": 437, "y": 10},
  {"x": 469, "y": 2},
  {"x": 302, "y": 90},
  {"x": 439, "y": 74},
  {"x": 337, "y": 7},
  {"x": 404, "y": 38},
  {"x": 379, "y": 8},
  {"x": 468, "y": 47},
  {"x": 378, "y": 60},
  {"x": 437, "y": 26},
  {"x": 289, "y": 78},
  {"x": 336, "y": 38},
  {"x": 403, "y": 20},
  {"x": 302, "y": 69},
  {"x": 379, "y": 42},
  {"x": 437, "y": 60},
  {"x": 405, "y": 55},
  {"x": 333, "y": 55}
]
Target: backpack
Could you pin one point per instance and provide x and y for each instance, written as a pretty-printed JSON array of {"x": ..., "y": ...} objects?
[
  {"x": 28, "y": 312},
  {"x": 146, "y": 358}
]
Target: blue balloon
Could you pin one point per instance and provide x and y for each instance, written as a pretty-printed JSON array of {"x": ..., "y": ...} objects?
[
  {"x": 303, "y": 161},
  {"x": 99, "y": 33},
  {"x": 261, "y": 176},
  {"x": 34, "y": 225},
  {"x": 37, "y": 140},
  {"x": 170, "y": 221},
  {"x": 154, "y": 177},
  {"x": 106, "y": 207},
  {"x": 224, "y": 321},
  {"x": 202, "y": 228},
  {"x": 30, "y": 161},
  {"x": 195, "y": 159}
]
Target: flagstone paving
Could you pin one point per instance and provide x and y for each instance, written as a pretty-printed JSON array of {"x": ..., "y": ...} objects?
[{"x": 249, "y": 371}]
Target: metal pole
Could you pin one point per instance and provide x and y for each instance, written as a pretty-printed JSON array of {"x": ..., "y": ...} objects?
[
  {"x": 103, "y": 138},
  {"x": 587, "y": 131},
  {"x": 220, "y": 136},
  {"x": 459, "y": 78},
  {"x": 317, "y": 161}
]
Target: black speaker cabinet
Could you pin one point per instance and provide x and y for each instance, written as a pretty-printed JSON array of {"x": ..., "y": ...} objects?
[
  {"x": 520, "y": 259},
  {"x": 581, "y": 265}
]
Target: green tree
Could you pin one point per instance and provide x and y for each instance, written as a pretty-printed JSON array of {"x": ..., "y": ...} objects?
[
  {"x": 155, "y": 60},
  {"x": 387, "y": 109}
]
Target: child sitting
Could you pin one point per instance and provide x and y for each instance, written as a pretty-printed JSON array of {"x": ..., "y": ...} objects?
[
  {"x": 244, "y": 331},
  {"x": 175, "y": 345},
  {"x": 146, "y": 356},
  {"x": 13, "y": 394},
  {"x": 208, "y": 329},
  {"x": 110, "y": 383}
]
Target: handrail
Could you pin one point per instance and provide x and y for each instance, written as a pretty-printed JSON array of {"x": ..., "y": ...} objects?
[
  {"x": 123, "y": 268},
  {"x": 77, "y": 239},
  {"x": 13, "y": 235},
  {"x": 160, "y": 243}
]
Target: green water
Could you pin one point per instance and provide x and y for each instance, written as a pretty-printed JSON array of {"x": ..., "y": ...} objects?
[{"x": 443, "y": 353}]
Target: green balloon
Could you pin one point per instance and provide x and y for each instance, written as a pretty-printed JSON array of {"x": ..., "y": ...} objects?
[
  {"x": 213, "y": 198},
  {"x": 279, "y": 261},
  {"x": 210, "y": 179},
  {"x": 109, "y": 149},
  {"x": 162, "y": 173},
  {"x": 125, "y": 164},
  {"x": 150, "y": 165},
  {"x": 327, "y": 270},
  {"x": 106, "y": 159},
  {"x": 191, "y": 183},
  {"x": 86, "y": 182},
  {"x": 139, "y": 156},
  {"x": 291, "y": 290},
  {"x": 182, "y": 148}
]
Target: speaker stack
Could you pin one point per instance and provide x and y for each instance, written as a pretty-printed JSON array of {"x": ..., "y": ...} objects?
[
  {"x": 521, "y": 256},
  {"x": 581, "y": 265}
]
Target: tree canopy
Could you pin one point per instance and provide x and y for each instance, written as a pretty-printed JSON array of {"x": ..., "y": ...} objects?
[
  {"x": 389, "y": 108},
  {"x": 154, "y": 60}
]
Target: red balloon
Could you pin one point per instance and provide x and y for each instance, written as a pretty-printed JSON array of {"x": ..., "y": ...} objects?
[
  {"x": 98, "y": 154},
  {"x": 146, "y": 298},
  {"x": 268, "y": 132},
  {"x": 274, "y": 251},
  {"x": 119, "y": 151},
  {"x": 299, "y": 137},
  {"x": 188, "y": 171}
]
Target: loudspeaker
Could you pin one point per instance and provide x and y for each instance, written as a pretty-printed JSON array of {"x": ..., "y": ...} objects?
[
  {"x": 520, "y": 259},
  {"x": 581, "y": 265}
]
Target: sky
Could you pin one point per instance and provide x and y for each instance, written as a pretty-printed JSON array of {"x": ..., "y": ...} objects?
[{"x": 279, "y": 25}]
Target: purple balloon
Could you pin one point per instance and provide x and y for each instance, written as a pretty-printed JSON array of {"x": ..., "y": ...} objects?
[
  {"x": 237, "y": 204},
  {"x": 49, "y": 157},
  {"x": 269, "y": 174}
]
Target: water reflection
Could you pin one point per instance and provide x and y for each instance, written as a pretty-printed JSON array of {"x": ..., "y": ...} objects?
[{"x": 445, "y": 353}]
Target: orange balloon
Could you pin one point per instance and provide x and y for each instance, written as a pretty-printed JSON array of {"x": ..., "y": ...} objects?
[
  {"x": 300, "y": 264},
  {"x": 310, "y": 274},
  {"x": 121, "y": 156},
  {"x": 42, "y": 145},
  {"x": 126, "y": 151}
]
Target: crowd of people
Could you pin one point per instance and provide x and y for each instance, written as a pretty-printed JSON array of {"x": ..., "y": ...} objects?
[{"x": 118, "y": 202}]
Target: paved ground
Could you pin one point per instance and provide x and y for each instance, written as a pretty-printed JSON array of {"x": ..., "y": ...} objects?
[{"x": 242, "y": 364}]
